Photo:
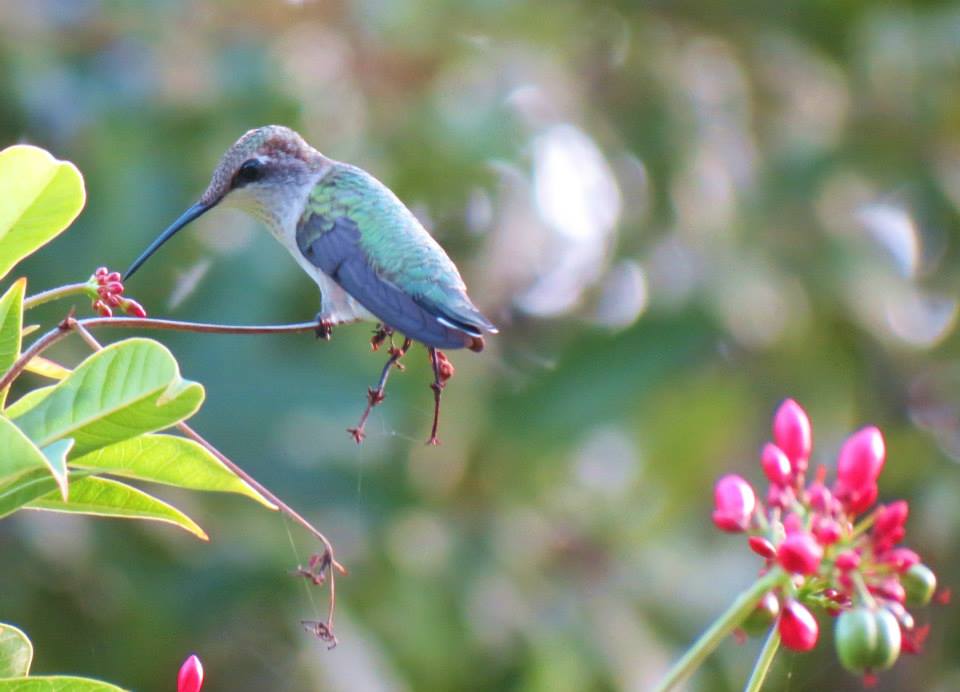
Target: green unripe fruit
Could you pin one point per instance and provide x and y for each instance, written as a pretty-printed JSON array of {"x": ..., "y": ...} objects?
[
  {"x": 919, "y": 582},
  {"x": 867, "y": 639},
  {"x": 762, "y": 617}
]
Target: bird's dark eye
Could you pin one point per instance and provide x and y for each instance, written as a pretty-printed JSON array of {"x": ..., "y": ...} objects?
[{"x": 249, "y": 171}]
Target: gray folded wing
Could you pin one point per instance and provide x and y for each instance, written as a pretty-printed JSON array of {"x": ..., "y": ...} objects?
[{"x": 335, "y": 249}]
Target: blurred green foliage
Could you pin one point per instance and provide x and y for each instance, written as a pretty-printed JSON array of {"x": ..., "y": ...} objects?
[{"x": 678, "y": 213}]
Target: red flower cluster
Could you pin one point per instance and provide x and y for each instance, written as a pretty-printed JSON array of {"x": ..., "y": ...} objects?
[
  {"x": 852, "y": 569},
  {"x": 106, "y": 291}
]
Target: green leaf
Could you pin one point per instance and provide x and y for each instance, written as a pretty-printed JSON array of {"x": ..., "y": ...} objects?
[
  {"x": 28, "y": 401},
  {"x": 106, "y": 498},
  {"x": 24, "y": 489},
  {"x": 129, "y": 388},
  {"x": 39, "y": 197},
  {"x": 56, "y": 456},
  {"x": 11, "y": 328},
  {"x": 56, "y": 683},
  {"x": 20, "y": 455},
  {"x": 16, "y": 652},
  {"x": 170, "y": 460}
]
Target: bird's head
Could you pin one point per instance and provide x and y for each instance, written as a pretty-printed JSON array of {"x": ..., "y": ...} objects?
[{"x": 261, "y": 173}]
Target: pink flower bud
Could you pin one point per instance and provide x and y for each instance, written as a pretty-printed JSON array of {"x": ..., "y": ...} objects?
[
  {"x": 102, "y": 308},
  {"x": 734, "y": 503},
  {"x": 890, "y": 589},
  {"x": 913, "y": 639},
  {"x": 798, "y": 628},
  {"x": 891, "y": 517},
  {"x": 132, "y": 307},
  {"x": 190, "y": 678},
  {"x": 780, "y": 496},
  {"x": 861, "y": 459},
  {"x": 792, "y": 433},
  {"x": 847, "y": 561},
  {"x": 792, "y": 523},
  {"x": 826, "y": 530},
  {"x": 800, "y": 553},
  {"x": 901, "y": 559},
  {"x": 762, "y": 547},
  {"x": 860, "y": 500},
  {"x": 775, "y": 464},
  {"x": 819, "y": 497},
  {"x": 114, "y": 277}
]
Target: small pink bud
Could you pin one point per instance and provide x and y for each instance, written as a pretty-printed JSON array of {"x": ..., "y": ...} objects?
[
  {"x": 913, "y": 639},
  {"x": 798, "y": 628},
  {"x": 847, "y": 560},
  {"x": 792, "y": 433},
  {"x": 792, "y": 523},
  {"x": 826, "y": 530},
  {"x": 776, "y": 465},
  {"x": 890, "y": 589},
  {"x": 857, "y": 501},
  {"x": 114, "y": 287},
  {"x": 190, "y": 678},
  {"x": 891, "y": 517},
  {"x": 102, "y": 308},
  {"x": 101, "y": 271},
  {"x": 819, "y": 497},
  {"x": 114, "y": 277},
  {"x": 780, "y": 496},
  {"x": 734, "y": 503},
  {"x": 901, "y": 559},
  {"x": 800, "y": 553},
  {"x": 132, "y": 307},
  {"x": 861, "y": 459},
  {"x": 762, "y": 547}
]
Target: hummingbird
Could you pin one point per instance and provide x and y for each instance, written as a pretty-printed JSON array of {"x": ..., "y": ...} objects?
[{"x": 367, "y": 252}]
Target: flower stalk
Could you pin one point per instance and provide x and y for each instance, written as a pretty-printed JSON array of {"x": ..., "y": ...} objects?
[
  {"x": 738, "y": 611},
  {"x": 760, "y": 669}
]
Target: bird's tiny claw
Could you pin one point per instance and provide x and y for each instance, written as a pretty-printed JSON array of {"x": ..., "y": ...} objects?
[
  {"x": 324, "y": 330},
  {"x": 380, "y": 334},
  {"x": 375, "y": 396}
]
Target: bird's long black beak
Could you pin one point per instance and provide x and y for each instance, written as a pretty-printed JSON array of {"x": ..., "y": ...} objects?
[{"x": 189, "y": 215}]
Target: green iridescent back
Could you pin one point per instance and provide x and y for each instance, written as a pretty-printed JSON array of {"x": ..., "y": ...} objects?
[{"x": 394, "y": 243}]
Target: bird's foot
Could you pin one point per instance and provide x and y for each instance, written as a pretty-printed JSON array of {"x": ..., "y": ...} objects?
[
  {"x": 380, "y": 334},
  {"x": 357, "y": 433},
  {"x": 324, "y": 328},
  {"x": 447, "y": 371},
  {"x": 397, "y": 354},
  {"x": 443, "y": 370},
  {"x": 376, "y": 395}
]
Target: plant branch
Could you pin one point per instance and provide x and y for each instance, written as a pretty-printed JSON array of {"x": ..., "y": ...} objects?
[
  {"x": 69, "y": 324},
  {"x": 283, "y": 507},
  {"x": 36, "y": 348},
  {"x": 53, "y": 294},
  {"x": 722, "y": 626},
  {"x": 762, "y": 666},
  {"x": 197, "y": 327}
]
